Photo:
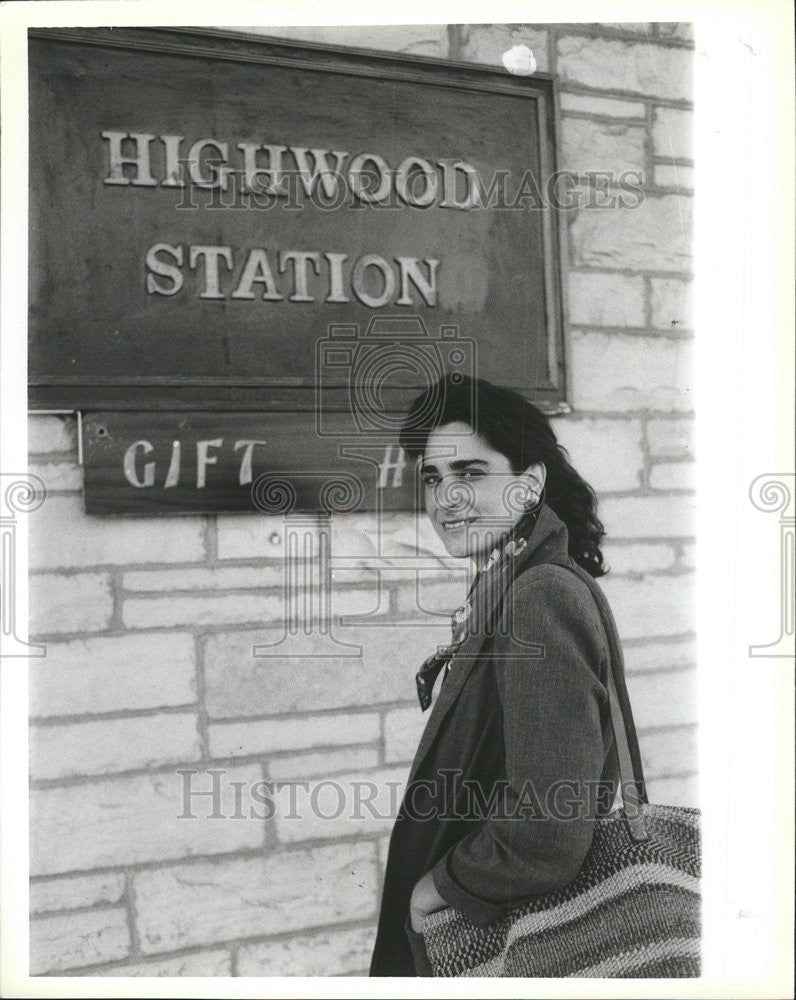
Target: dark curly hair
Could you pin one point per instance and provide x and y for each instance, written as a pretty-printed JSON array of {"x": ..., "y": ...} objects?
[{"x": 520, "y": 431}]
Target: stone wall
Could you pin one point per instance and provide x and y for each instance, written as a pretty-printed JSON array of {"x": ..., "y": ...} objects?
[{"x": 150, "y": 695}]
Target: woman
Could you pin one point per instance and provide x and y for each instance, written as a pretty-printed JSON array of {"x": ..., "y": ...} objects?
[{"x": 518, "y": 755}]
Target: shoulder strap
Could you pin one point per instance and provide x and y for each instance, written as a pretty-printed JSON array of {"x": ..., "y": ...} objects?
[{"x": 631, "y": 774}]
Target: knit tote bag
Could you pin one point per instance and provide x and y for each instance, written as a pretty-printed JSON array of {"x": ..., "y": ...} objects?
[{"x": 633, "y": 911}]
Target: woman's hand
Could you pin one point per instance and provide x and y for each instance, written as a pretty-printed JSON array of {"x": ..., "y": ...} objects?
[{"x": 425, "y": 899}]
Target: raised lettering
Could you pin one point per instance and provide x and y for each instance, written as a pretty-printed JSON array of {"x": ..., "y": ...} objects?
[
  {"x": 356, "y": 178},
  {"x": 117, "y": 162},
  {"x": 300, "y": 260},
  {"x": 358, "y": 278},
  {"x": 163, "y": 268},
  {"x": 319, "y": 171},
  {"x": 410, "y": 271},
  {"x": 219, "y": 176},
  {"x": 406, "y": 181},
  {"x": 336, "y": 261},
  {"x": 257, "y": 270},
  {"x": 211, "y": 255},
  {"x": 173, "y": 176}
]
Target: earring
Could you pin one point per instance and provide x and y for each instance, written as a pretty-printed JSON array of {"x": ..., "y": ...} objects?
[{"x": 533, "y": 500}]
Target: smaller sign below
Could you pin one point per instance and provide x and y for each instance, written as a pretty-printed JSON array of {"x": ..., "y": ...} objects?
[{"x": 275, "y": 463}]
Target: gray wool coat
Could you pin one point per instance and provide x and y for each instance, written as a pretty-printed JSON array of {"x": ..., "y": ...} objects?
[{"x": 517, "y": 756}]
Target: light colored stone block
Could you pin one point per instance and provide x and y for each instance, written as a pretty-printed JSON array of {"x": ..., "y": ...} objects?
[
  {"x": 215, "y": 578},
  {"x": 670, "y": 175},
  {"x": 675, "y": 29},
  {"x": 62, "y": 534},
  {"x": 60, "y": 943},
  {"x": 103, "y": 747},
  {"x": 652, "y": 606},
  {"x": 204, "y": 609},
  {"x": 64, "y": 604},
  {"x": 305, "y": 765},
  {"x": 682, "y": 791},
  {"x": 673, "y": 133},
  {"x": 210, "y": 901},
  {"x": 420, "y": 598},
  {"x": 121, "y": 821},
  {"x": 634, "y": 27},
  {"x": 363, "y": 804},
  {"x": 637, "y": 67},
  {"x": 201, "y": 963},
  {"x": 415, "y": 39},
  {"x": 305, "y": 674},
  {"x": 394, "y": 534},
  {"x": 252, "y": 536},
  {"x": 620, "y": 372},
  {"x": 486, "y": 43},
  {"x": 360, "y": 602},
  {"x": 58, "y": 475},
  {"x": 664, "y": 699},
  {"x": 588, "y": 145},
  {"x": 607, "y": 453},
  {"x": 73, "y": 893},
  {"x": 605, "y": 299},
  {"x": 668, "y": 751},
  {"x": 657, "y": 235},
  {"x": 639, "y": 559},
  {"x": 648, "y": 517},
  {"x": 672, "y": 303},
  {"x": 235, "y": 739},
  {"x": 325, "y": 952},
  {"x": 604, "y": 106},
  {"x": 660, "y": 655},
  {"x": 688, "y": 555},
  {"x": 403, "y": 728},
  {"x": 113, "y": 673},
  {"x": 673, "y": 476},
  {"x": 671, "y": 438},
  {"x": 51, "y": 433}
]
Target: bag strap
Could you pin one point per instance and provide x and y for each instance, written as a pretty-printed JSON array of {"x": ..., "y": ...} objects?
[{"x": 631, "y": 775}]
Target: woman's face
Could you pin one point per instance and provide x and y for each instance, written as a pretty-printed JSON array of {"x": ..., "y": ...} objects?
[{"x": 471, "y": 493}]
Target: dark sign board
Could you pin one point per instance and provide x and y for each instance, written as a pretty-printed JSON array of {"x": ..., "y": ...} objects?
[
  {"x": 211, "y": 213},
  {"x": 175, "y": 462}
]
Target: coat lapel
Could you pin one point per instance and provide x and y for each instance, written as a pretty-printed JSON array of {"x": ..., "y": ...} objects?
[{"x": 548, "y": 543}]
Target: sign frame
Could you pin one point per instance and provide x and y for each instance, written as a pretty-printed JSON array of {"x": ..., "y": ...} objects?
[{"x": 59, "y": 390}]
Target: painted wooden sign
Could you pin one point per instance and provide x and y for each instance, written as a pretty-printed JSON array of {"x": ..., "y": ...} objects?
[
  {"x": 209, "y": 211},
  {"x": 192, "y": 462}
]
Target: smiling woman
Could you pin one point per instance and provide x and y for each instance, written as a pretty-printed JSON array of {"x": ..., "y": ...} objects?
[
  {"x": 469, "y": 498},
  {"x": 523, "y": 710}
]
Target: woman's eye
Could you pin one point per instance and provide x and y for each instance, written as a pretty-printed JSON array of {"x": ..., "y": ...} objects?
[
  {"x": 430, "y": 480},
  {"x": 471, "y": 474}
]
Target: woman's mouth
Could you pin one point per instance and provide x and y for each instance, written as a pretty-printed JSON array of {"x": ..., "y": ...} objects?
[{"x": 456, "y": 525}]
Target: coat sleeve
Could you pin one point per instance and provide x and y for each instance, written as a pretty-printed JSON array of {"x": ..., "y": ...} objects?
[{"x": 554, "y": 704}]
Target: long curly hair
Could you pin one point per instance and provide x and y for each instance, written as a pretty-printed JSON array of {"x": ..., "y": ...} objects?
[{"x": 520, "y": 431}]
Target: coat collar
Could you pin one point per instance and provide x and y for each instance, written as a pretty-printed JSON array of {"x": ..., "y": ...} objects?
[{"x": 547, "y": 543}]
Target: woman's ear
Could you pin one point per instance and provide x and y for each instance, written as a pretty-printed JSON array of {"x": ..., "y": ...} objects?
[{"x": 537, "y": 474}]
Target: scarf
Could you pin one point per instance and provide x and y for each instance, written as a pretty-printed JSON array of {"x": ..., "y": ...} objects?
[{"x": 462, "y": 618}]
